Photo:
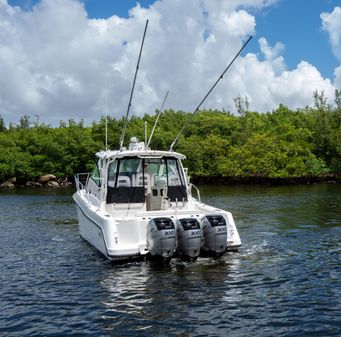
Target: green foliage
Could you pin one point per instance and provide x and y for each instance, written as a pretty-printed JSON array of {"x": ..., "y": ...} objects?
[
  {"x": 2, "y": 124},
  {"x": 24, "y": 122},
  {"x": 242, "y": 105},
  {"x": 283, "y": 143},
  {"x": 28, "y": 153}
]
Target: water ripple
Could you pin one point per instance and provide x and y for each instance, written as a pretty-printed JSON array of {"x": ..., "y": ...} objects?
[{"x": 285, "y": 281}]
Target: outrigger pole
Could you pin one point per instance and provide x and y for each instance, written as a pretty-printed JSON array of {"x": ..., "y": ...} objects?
[
  {"x": 132, "y": 89},
  {"x": 184, "y": 129},
  {"x": 157, "y": 119}
]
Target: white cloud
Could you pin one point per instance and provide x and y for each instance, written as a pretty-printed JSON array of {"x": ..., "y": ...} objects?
[
  {"x": 331, "y": 22},
  {"x": 295, "y": 87},
  {"x": 273, "y": 55},
  {"x": 270, "y": 53},
  {"x": 266, "y": 88},
  {"x": 57, "y": 63}
]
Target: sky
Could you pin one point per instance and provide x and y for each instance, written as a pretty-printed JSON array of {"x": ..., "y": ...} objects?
[{"x": 64, "y": 59}]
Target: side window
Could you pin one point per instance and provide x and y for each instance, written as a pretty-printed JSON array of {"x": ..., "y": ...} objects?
[
  {"x": 112, "y": 173},
  {"x": 95, "y": 175},
  {"x": 174, "y": 177},
  {"x": 127, "y": 170},
  {"x": 176, "y": 183}
]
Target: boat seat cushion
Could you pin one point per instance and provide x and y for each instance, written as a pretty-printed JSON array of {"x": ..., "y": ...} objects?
[{"x": 123, "y": 181}]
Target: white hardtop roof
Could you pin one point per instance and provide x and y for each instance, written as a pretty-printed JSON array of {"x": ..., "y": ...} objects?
[{"x": 138, "y": 153}]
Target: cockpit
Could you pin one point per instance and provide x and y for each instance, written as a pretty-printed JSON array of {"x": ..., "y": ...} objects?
[{"x": 151, "y": 180}]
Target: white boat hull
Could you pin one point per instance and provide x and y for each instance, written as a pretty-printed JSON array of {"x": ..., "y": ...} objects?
[
  {"x": 117, "y": 239},
  {"x": 124, "y": 236}
]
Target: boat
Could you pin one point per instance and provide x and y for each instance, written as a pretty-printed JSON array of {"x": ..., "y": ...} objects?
[{"x": 140, "y": 203}]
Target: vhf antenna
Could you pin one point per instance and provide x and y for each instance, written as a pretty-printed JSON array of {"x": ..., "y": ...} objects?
[
  {"x": 184, "y": 129},
  {"x": 106, "y": 121},
  {"x": 132, "y": 89},
  {"x": 157, "y": 119}
]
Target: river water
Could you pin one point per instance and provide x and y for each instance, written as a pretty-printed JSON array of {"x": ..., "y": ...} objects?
[{"x": 284, "y": 281}]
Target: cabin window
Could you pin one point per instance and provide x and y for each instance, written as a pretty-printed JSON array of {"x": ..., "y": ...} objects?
[
  {"x": 112, "y": 173},
  {"x": 122, "y": 185},
  {"x": 175, "y": 181},
  {"x": 128, "y": 168},
  {"x": 173, "y": 173},
  {"x": 95, "y": 175},
  {"x": 131, "y": 179}
]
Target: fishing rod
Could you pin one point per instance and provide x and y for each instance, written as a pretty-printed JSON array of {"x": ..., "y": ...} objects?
[
  {"x": 132, "y": 89},
  {"x": 106, "y": 121},
  {"x": 157, "y": 118},
  {"x": 184, "y": 129}
]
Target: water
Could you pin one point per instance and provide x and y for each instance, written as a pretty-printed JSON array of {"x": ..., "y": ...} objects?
[{"x": 285, "y": 281}]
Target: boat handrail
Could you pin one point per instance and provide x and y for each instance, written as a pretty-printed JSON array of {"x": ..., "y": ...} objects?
[
  {"x": 196, "y": 189},
  {"x": 82, "y": 183},
  {"x": 78, "y": 180}
]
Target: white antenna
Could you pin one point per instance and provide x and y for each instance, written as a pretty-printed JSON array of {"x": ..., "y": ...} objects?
[
  {"x": 185, "y": 127},
  {"x": 106, "y": 121},
  {"x": 157, "y": 119},
  {"x": 132, "y": 89}
]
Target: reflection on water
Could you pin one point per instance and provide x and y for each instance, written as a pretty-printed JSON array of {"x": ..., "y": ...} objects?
[
  {"x": 167, "y": 299},
  {"x": 285, "y": 280}
]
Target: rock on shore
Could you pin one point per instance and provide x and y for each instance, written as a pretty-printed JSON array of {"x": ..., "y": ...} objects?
[
  {"x": 9, "y": 183},
  {"x": 47, "y": 180}
]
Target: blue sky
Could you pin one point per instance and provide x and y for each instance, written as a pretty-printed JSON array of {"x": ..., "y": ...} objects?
[
  {"x": 297, "y": 24},
  {"x": 295, "y": 50}
]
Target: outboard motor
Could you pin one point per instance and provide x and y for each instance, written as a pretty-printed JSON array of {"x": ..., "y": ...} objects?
[
  {"x": 214, "y": 234},
  {"x": 161, "y": 237},
  {"x": 188, "y": 235}
]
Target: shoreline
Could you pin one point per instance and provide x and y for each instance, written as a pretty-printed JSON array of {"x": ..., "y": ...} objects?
[{"x": 332, "y": 178}]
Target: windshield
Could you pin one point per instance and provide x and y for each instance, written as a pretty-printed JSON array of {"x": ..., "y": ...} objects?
[{"x": 131, "y": 179}]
